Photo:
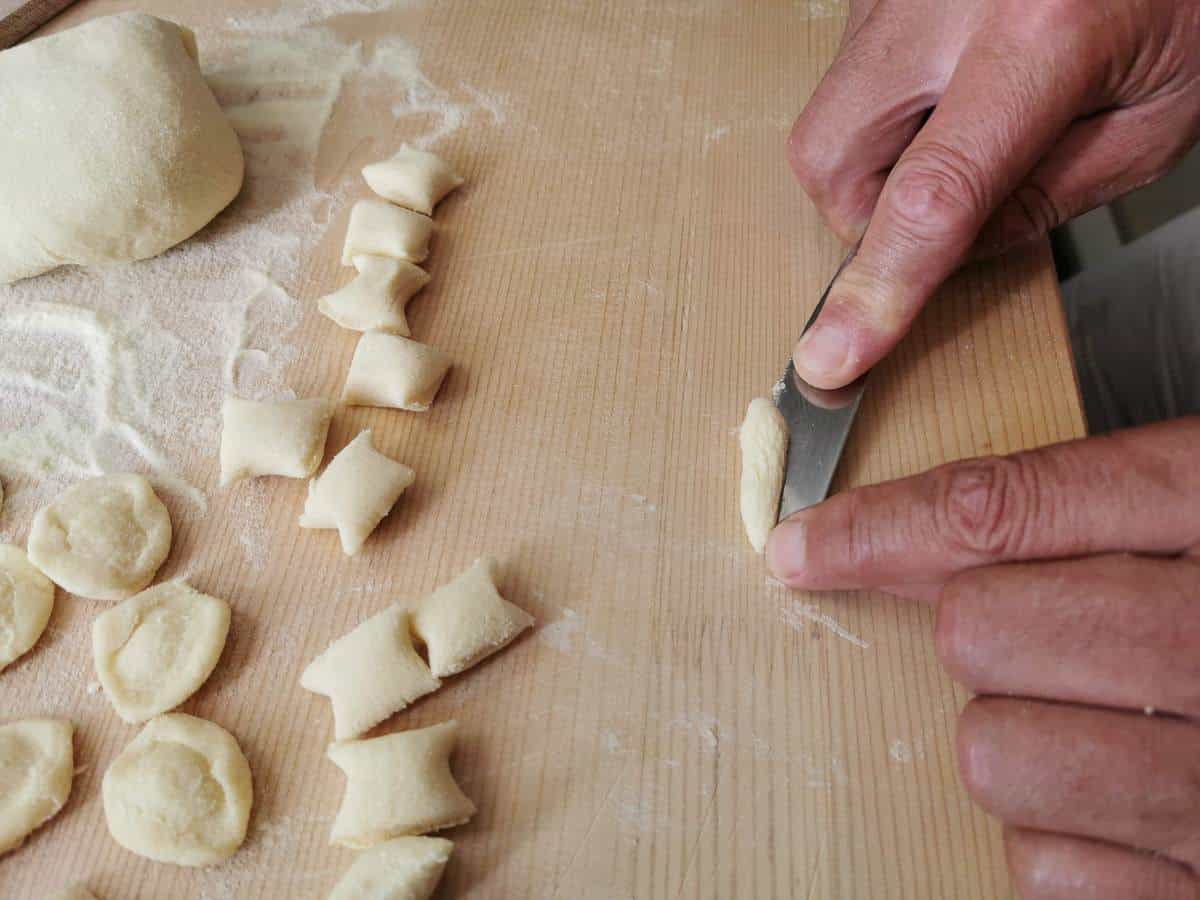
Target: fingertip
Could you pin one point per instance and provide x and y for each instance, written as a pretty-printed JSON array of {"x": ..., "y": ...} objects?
[{"x": 785, "y": 551}]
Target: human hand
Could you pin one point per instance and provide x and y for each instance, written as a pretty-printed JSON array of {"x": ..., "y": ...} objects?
[
  {"x": 1067, "y": 583},
  {"x": 1043, "y": 110}
]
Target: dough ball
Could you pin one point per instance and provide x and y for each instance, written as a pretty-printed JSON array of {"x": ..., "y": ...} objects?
[
  {"x": 26, "y": 599},
  {"x": 114, "y": 147},
  {"x": 104, "y": 538},
  {"x": 280, "y": 437},
  {"x": 155, "y": 649},
  {"x": 407, "y": 868},
  {"x": 378, "y": 228},
  {"x": 414, "y": 179},
  {"x": 395, "y": 372},
  {"x": 375, "y": 299},
  {"x": 764, "y": 441},
  {"x": 180, "y": 792},
  {"x": 37, "y": 764},
  {"x": 467, "y": 620}
]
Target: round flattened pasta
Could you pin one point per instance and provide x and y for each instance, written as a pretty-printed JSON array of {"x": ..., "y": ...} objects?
[
  {"x": 37, "y": 764},
  {"x": 104, "y": 538},
  {"x": 180, "y": 792},
  {"x": 26, "y": 599},
  {"x": 155, "y": 649}
]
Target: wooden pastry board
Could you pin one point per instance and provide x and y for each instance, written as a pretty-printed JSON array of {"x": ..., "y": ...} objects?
[{"x": 627, "y": 266}]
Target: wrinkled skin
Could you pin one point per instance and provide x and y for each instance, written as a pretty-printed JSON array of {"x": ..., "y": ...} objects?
[
  {"x": 1044, "y": 109},
  {"x": 1066, "y": 579}
]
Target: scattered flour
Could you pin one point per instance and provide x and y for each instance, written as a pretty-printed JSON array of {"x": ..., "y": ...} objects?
[
  {"x": 560, "y": 634},
  {"x": 900, "y": 751},
  {"x": 798, "y": 615}
]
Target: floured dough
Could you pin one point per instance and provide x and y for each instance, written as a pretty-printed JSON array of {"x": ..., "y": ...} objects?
[
  {"x": 394, "y": 371},
  {"x": 370, "y": 673},
  {"x": 37, "y": 764},
  {"x": 114, "y": 147},
  {"x": 414, "y": 179},
  {"x": 405, "y": 868},
  {"x": 467, "y": 620},
  {"x": 26, "y": 599},
  {"x": 397, "y": 785},
  {"x": 104, "y": 538},
  {"x": 154, "y": 650},
  {"x": 74, "y": 892},
  {"x": 377, "y": 228},
  {"x": 273, "y": 437},
  {"x": 180, "y": 792},
  {"x": 764, "y": 441},
  {"x": 356, "y": 490},
  {"x": 375, "y": 299}
]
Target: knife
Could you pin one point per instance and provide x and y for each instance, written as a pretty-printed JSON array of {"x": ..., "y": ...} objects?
[{"x": 818, "y": 423}]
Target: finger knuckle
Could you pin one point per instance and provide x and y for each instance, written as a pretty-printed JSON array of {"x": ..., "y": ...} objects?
[
  {"x": 813, "y": 160},
  {"x": 938, "y": 190},
  {"x": 981, "y": 506}
]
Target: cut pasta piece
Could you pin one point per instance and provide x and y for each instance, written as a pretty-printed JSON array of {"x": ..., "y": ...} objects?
[
  {"x": 37, "y": 764},
  {"x": 764, "y": 440},
  {"x": 26, "y": 600},
  {"x": 370, "y": 673},
  {"x": 154, "y": 650},
  {"x": 405, "y": 868},
  {"x": 375, "y": 299},
  {"x": 104, "y": 538},
  {"x": 274, "y": 437},
  {"x": 180, "y": 792},
  {"x": 377, "y": 228},
  {"x": 356, "y": 490},
  {"x": 414, "y": 179},
  {"x": 395, "y": 372},
  {"x": 467, "y": 620},
  {"x": 398, "y": 785}
]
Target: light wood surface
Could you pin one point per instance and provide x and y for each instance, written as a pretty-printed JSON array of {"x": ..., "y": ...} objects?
[{"x": 627, "y": 266}]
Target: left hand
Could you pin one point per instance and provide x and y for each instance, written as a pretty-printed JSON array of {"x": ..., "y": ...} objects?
[{"x": 1067, "y": 583}]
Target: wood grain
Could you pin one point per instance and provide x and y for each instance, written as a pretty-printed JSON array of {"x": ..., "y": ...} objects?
[{"x": 627, "y": 266}]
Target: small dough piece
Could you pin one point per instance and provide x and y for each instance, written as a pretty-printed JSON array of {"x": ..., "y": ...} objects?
[
  {"x": 375, "y": 299},
  {"x": 395, "y": 372},
  {"x": 114, "y": 146},
  {"x": 104, "y": 538},
  {"x": 74, "y": 892},
  {"x": 37, "y": 764},
  {"x": 26, "y": 600},
  {"x": 180, "y": 792},
  {"x": 414, "y": 179},
  {"x": 356, "y": 490},
  {"x": 404, "y": 868},
  {"x": 377, "y": 228},
  {"x": 467, "y": 620},
  {"x": 273, "y": 437},
  {"x": 764, "y": 442},
  {"x": 370, "y": 673},
  {"x": 154, "y": 650},
  {"x": 398, "y": 785}
]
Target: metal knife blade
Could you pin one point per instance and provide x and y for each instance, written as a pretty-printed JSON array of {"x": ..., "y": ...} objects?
[{"x": 818, "y": 422}]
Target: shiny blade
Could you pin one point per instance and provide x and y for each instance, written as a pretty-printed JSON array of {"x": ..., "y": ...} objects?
[{"x": 819, "y": 422}]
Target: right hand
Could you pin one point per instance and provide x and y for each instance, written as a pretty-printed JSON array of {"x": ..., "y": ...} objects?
[{"x": 1042, "y": 109}]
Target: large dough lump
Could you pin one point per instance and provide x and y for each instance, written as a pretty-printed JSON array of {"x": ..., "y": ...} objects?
[
  {"x": 355, "y": 492},
  {"x": 377, "y": 228},
  {"x": 375, "y": 299},
  {"x": 154, "y": 650},
  {"x": 370, "y": 673},
  {"x": 393, "y": 371},
  {"x": 414, "y": 179},
  {"x": 104, "y": 538},
  {"x": 26, "y": 599},
  {"x": 114, "y": 147},
  {"x": 764, "y": 441},
  {"x": 406, "y": 868},
  {"x": 398, "y": 785},
  {"x": 280, "y": 437},
  {"x": 37, "y": 764},
  {"x": 180, "y": 792},
  {"x": 467, "y": 620}
]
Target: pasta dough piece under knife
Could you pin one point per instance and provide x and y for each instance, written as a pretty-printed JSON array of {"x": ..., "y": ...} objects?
[
  {"x": 356, "y": 490},
  {"x": 414, "y": 179},
  {"x": 395, "y": 372},
  {"x": 375, "y": 299},
  {"x": 377, "y": 228},
  {"x": 764, "y": 441}
]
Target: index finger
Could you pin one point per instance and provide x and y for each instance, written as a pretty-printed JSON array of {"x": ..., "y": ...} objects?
[{"x": 1135, "y": 491}]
